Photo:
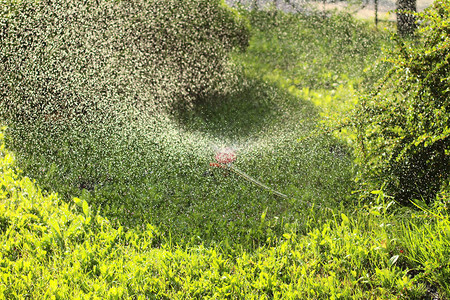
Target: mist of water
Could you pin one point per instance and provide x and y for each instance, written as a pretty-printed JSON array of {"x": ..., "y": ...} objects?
[{"x": 93, "y": 92}]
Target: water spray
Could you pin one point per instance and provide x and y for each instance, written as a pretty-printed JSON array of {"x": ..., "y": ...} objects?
[{"x": 225, "y": 159}]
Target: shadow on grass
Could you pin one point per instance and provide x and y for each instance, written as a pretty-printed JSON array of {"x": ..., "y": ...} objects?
[
  {"x": 246, "y": 112},
  {"x": 170, "y": 192}
]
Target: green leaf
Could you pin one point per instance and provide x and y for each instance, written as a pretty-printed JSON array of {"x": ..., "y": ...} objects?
[
  {"x": 85, "y": 208},
  {"x": 55, "y": 226},
  {"x": 263, "y": 216},
  {"x": 78, "y": 201},
  {"x": 345, "y": 219},
  {"x": 393, "y": 260}
]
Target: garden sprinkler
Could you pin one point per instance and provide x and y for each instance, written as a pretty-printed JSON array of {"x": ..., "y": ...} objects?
[{"x": 225, "y": 159}]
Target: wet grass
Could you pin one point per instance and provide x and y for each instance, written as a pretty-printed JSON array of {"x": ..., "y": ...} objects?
[
  {"x": 54, "y": 249},
  {"x": 213, "y": 234},
  {"x": 164, "y": 178},
  {"x": 194, "y": 203}
]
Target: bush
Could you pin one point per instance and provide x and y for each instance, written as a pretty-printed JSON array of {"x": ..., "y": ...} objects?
[
  {"x": 90, "y": 60},
  {"x": 403, "y": 124}
]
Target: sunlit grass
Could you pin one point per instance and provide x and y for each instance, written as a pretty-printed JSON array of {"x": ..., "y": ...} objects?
[
  {"x": 152, "y": 219},
  {"x": 51, "y": 248},
  {"x": 163, "y": 176}
]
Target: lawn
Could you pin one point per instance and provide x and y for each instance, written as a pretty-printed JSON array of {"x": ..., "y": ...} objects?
[{"x": 137, "y": 211}]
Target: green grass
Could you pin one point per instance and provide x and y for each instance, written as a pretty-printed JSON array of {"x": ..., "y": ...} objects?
[
  {"x": 55, "y": 250},
  {"x": 144, "y": 216},
  {"x": 164, "y": 177},
  {"x": 177, "y": 191},
  {"x": 324, "y": 59}
]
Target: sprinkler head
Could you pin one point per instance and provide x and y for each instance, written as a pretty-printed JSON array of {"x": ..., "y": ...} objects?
[
  {"x": 224, "y": 159},
  {"x": 226, "y": 156}
]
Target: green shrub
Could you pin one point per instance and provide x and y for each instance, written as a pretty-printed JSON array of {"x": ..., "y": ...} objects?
[
  {"x": 91, "y": 60},
  {"x": 404, "y": 125}
]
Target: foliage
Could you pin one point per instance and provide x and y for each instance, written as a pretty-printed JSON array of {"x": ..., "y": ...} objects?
[
  {"x": 324, "y": 59},
  {"x": 91, "y": 61},
  {"x": 55, "y": 249},
  {"x": 158, "y": 170},
  {"x": 153, "y": 227},
  {"x": 174, "y": 188},
  {"x": 427, "y": 243},
  {"x": 404, "y": 124}
]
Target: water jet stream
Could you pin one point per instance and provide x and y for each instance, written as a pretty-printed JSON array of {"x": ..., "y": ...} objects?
[
  {"x": 235, "y": 170},
  {"x": 225, "y": 159}
]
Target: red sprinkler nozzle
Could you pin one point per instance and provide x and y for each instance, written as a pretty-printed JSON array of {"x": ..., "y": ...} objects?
[{"x": 226, "y": 156}]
